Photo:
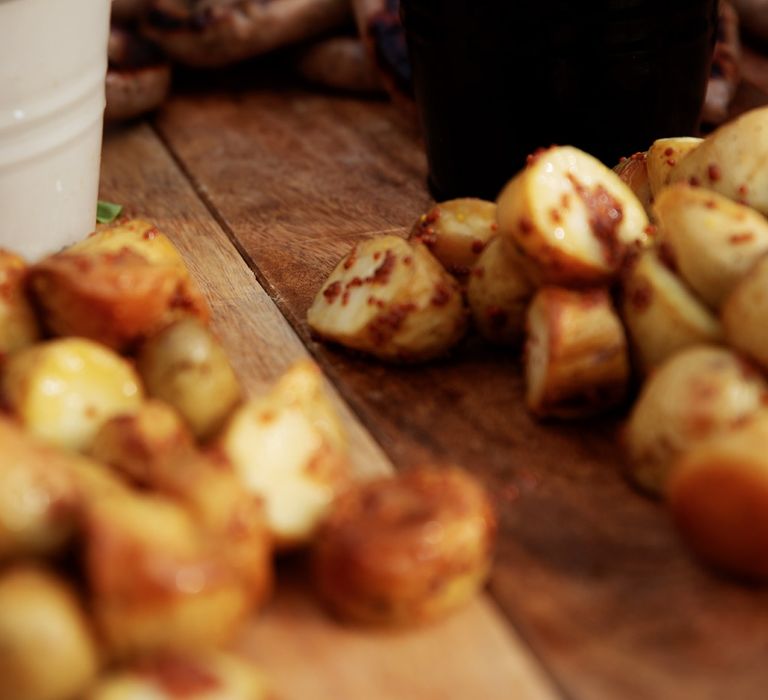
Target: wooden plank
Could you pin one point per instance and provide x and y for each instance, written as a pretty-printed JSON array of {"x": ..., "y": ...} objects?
[
  {"x": 590, "y": 572},
  {"x": 306, "y": 654}
]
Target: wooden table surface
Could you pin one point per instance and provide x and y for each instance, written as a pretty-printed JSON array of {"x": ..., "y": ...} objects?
[{"x": 264, "y": 186}]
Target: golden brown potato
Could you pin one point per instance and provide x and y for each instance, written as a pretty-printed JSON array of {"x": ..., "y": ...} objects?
[
  {"x": 634, "y": 172},
  {"x": 117, "y": 287},
  {"x": 63, "y": 390},
  {"x": 405, "y": 549},
  {"x": 392, "y": 299},
  {"x": 714, "y": 241},
  {"x": 576, "y": 359},
  {"x": 18, "y": 323},
  {"x": 718, "y": 495},
  {"x": 699, "y": 392},
  {"x": 745, "y": 314},
  {"x": 290, "y": 448},
  {"x": 157, "y": 580},
  {"x": 498, "y": 293},
  {"x": 213, "y": 676},
  {"x": 185, "y": 365},
  {"x": 662, "y": 316},
  {"x": 663, "y": 156},
  {"x": 456, "y": 232},
  {"x": 731, "y": 161},
  {"x": 573, "y": 217},
  {"x": 47, "y": 649}
]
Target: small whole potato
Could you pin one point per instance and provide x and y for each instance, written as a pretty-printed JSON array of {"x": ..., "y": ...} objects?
[
  {"x": 745, "y": 314},
  {"x": 185, "y": 365},
  {"x": 46, "y": 649},
  {"x": 698, "y": 393},
  {"x": 663, "y": 156}
]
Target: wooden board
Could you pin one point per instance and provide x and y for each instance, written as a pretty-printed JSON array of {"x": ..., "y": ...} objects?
[
  {"x": 306, "y": 655},
  {"x": 590, "y": 573}
]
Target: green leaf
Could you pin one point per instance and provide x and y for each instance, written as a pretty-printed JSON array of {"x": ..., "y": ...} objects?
[{"x": 107, "y": 212}]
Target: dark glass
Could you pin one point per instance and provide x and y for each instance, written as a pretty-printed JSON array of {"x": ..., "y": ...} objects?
[{"x": 495, "y": 80}]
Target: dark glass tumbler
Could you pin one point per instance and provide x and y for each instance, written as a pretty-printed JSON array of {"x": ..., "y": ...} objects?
[{"x": 495, "y": 80}]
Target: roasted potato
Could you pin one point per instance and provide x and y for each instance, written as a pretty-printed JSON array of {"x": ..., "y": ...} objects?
[
  {"x": 116, "y": 287},
  {"x": 64, "y": 390},
  {"x": 290, "y": 448},
  {"x": 392, "y": 299},
  {"x": 47, "y": 649},
  {"x": 185, "y": 365},
  {"x": 572, "y": 216},
  {"x": 663, "y": 156},
  {"x": 718, "y": 495},
  {"x": 405, "y": 549},
  {"x": 498, "y": 293},
  {"x": 456, "y": 232},
  {"x": 714, "y": 241},
  {"x": 699, "y": 392},
  {"x": 745, "y": 314},
  {"x": 18, "y": 323},
  {"x": 576, "y": 360},
  {"x": 634, "y": 172},
  {"x": 213, "y": 676},
  {"x": 662, "y": 316},
  {"x": 731, "y": 161}
]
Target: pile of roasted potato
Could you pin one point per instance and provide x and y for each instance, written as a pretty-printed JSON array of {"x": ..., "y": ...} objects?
[
  {"x": 142, "y": 495},
  {"x": 652, "y": 274}
]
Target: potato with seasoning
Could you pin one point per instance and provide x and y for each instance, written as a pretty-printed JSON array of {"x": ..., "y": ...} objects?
[
  {"x": 661, "y": 314},
  {"x": 405, "y": 549},
  {"x": 732, "y": 160},
  {"x": 573, "y": 217},
  {"x": 63, "y": 390},
  {"x": 714, "y": 241},
  {"x": 498, "y": 293},
  {"x": 18, "y": 323},
  {"x": 290, "y": 448},
  {"x": 185, "y": 365},
  {"x": 116, "y": 287},
  {"x": 48, "y": 652},
  {"x": 745, "y": 314},
  {"x": 576, "y": 361},
  {"x": 391, "y": 299},
  {"x": 663, "y": 156},
  {"x": 456, "y": 232},
  {"x": 634, "y": 172},
  {"x": 718, "y": 496},
  {"x": 211, "y": 676},
  {"x": 698, "y": 393}
]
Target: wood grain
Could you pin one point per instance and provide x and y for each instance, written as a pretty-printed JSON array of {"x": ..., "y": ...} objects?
[
  {"x": 589, "y": 572},
  {"x": 307, "y": 655}
]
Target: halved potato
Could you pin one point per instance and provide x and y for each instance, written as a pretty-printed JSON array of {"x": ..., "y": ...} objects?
[
  {"x": 64, "y": 390},
  {"x": 18, "y": 323},
  {"x": 405, "y": 549},
  {"x": 718, "y": 495},
  {"x": 290, "y": 448},
  {"x": 714, "y": 240},
  {"x": 663, "y": 156},
  {"x": 48, "y": 652},
  {"x": 634, "y": 172},
  {"x": 211, "y": 676},
  {"x": 699, "y": 392},
  {"x": 392, "y": 299},
  {"x": 576, "y": 360},
  {"x": 185, "y": 365},
  {"x": 661, "y": 314},
  {"x": 572, "y": 216},
  {"x": 745, "y": 314},
  {"x": 456, "y": 232},
  {"x": 732, "y": 160}
]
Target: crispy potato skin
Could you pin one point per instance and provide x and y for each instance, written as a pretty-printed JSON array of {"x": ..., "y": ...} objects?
[
  {"x": 718, "y": 496},
  {"x": 698, "y": 393},
  {"x": 745, "y": 314},
  {"x": 406, "y": 549},
  {"x": 634, "y": 172},
  {"x": 18, "y": 323},
  {"x": 47, "y": 649}
]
